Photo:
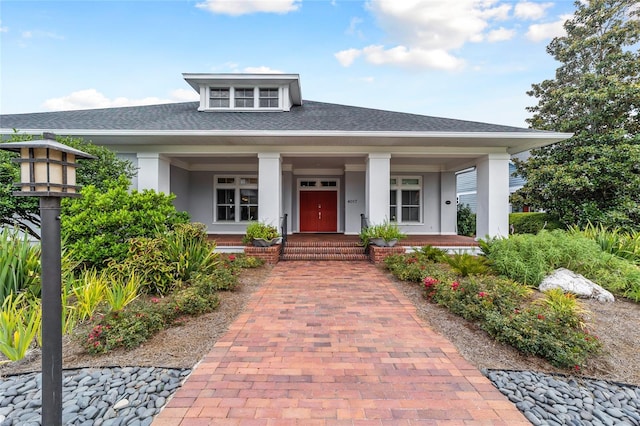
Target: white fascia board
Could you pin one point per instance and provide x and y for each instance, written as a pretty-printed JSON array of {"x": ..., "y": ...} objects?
[{"x": 543, "y": 136}]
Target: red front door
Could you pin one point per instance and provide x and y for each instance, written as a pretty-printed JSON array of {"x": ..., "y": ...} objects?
[{"x": 318, "y": 211}]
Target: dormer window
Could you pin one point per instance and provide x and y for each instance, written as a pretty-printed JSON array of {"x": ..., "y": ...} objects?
[
  {"x": 219, "y": 97},
  {"x": 268, "y": 98},
  {"x": 246, "y": 92},
  {"x": 244, "y": 98}
]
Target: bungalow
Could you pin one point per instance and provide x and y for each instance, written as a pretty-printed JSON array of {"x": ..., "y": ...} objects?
[{"x": 252, "y": 149}]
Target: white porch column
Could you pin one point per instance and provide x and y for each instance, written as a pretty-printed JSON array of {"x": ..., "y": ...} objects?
[
  {"x": 378, "y": 186},
  {"x": 269, "y": 188},
  {"x": 493, "y": 196},
  {"x": 153, "y": 172}
]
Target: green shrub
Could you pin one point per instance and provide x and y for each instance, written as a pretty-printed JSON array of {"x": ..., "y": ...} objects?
[
  {"x": 466, "y": 221},
  {"x": 465, "y": 264},
  {"x": 386, "y": 230},
  {"x": 191, "y": 301},
  {"x": 146, "y": 259},
  {"x": 139, "y": 321},
  {"x": 98, "y": 226},
  {"x": 429, "y": 253},
  {"x": 529, "y": 258},
  {"x": 188, "y": 249},
  {"x": 224, "y": 279},
  {"x": 20, "y": 322},
  {"x": 532, "y": 223},
  {"x": 241, "y": 260},
  {"x": 409, "y": 267},
  {"x": 622, "y": 243},
  {"x": 260, "y": 230},
  {"x": 19, "y": 264},
  {"x": 537, "y": 330}
]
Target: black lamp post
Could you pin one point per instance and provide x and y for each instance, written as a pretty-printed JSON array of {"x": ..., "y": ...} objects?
[{"x": 48, "y": 171}]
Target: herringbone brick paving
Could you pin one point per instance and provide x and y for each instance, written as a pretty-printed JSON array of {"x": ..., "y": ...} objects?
[{"x": 334, "y": 343}]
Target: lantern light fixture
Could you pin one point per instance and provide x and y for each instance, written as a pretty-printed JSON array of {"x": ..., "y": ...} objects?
[{"x": 47, "y": 168}]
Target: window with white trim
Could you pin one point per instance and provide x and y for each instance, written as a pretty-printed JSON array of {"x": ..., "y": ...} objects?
[
  {"x": 269, "y": 98},
  {"x": 219, "y": 97},
  {"x": 405, "y": 205},
  {"x": 236, "y": 198},
  {"x": 243, "y": 97}
]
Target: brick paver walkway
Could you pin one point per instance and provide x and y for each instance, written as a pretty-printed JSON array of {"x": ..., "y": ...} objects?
[{"x": 334, "y": 343}]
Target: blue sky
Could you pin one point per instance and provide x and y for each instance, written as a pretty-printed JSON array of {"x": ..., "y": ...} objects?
[{"x": 467, "y": 59}]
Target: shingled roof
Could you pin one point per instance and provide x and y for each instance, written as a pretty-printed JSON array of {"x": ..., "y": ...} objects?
[{"x": 310, "y": 116}]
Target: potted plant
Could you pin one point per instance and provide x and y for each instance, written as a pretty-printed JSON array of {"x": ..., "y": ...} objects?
[
  {"x": 386, "y": 234},
  {"x": 261, "y": 234}
]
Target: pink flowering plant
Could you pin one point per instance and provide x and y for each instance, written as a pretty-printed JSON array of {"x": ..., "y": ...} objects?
[{"x": 551, "y": 327}]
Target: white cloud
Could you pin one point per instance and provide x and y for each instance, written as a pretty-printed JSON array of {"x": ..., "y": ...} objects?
[
  {"x": 184, "y": 95},
  {"x": 539, "y": 32},
  {"x": 353, "y": 27},
  {"x": 41, "y": 34},
  {"x": 91, "y": 98},
  {"x": 424, "y": 34},
  {"x": 530, "y": 10},
  {"x": 261, "y": 70},
  {"x": 409, "y": 57},
  {"x": 501, "y": 34},
  {"x": 346, "y": 57},
  {"x": 244, "y": 7},
  {"x": 3, "y": 29}
]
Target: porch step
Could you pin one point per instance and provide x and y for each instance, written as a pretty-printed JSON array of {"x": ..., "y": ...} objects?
[{"x": 336, "y": 250}]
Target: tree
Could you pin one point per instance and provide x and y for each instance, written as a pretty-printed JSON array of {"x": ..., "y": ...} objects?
[
  {"x": 595, "y": 175},
  {"x": 23, "y": 212}
]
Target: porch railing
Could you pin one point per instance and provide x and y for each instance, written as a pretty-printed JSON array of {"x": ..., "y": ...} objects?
[{"x": 284, "y": 231}]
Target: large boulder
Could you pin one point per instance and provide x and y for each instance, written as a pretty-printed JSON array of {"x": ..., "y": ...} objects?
[{"x": 576, "y": 284}]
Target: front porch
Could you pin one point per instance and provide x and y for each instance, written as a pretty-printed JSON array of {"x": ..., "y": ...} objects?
[{"x": 336, "y": 246}]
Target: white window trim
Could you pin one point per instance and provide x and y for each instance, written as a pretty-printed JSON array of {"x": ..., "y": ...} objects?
[
  {"x": 232, "y": 98},
  {"x": 398, "y": 187},
  {"x": 318, "y": 186},
  {"x": 237, "y": 186}
]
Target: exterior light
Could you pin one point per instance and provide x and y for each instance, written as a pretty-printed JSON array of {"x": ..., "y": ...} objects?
[
  {"x": 48, "y": 171},
  {"x": 47, "y": 167}
]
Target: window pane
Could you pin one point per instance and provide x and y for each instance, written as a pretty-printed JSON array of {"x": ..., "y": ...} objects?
[
  {"x": 411, "y": 198},
  {"x": 328, "y": 183},
  {"x": 249, "y": 213},
  {"x": 226, "y": 196},
  {"x": 410, "y": 214},
  {"x": 268, "y": 98},
  {"x": 226, "y": 180},
  {"x": 393, "y": 181},
  {"x": 392, "y": 197},
  {"x": 411, "y": 181},
  {"x": 244, "y": 98},
  {"x": 393, "y": 213},
  {"x": 219, "y": 97},
  {"x": 248, "y": 196},
  {"x": 225, "y": 213}
]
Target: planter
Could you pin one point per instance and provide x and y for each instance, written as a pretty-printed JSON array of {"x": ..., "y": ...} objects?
[
  {"x": 261, "y": 242},
  {"x": 381, "y": 242}
]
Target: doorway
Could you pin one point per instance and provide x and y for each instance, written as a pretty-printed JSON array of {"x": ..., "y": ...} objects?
[{"x": 318, "y": 211}]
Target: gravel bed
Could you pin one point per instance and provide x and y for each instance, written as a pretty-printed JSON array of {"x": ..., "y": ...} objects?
[
  {"x": 93, "y": 397},
  {"x": 561, "y": 400},
  {"x": 134, "y": 395}
]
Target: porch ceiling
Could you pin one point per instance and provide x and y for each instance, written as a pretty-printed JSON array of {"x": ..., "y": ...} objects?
[{"x": 323, "y": 162}]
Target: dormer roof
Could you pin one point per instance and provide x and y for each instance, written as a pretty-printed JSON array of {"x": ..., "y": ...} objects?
[{"x": 291, "y": 82}]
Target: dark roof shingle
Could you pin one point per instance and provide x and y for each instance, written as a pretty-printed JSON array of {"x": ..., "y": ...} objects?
[{"x": 311, "y": 116}]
